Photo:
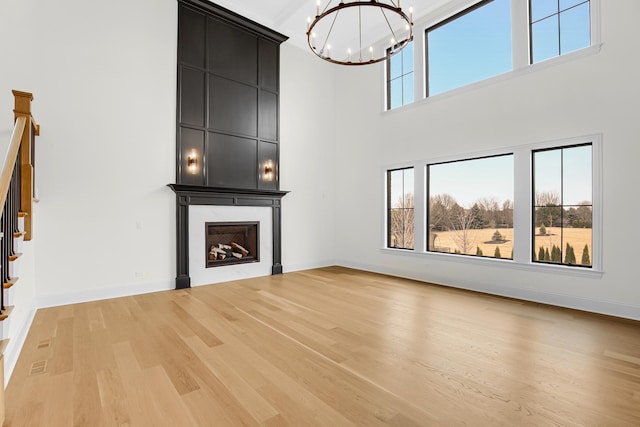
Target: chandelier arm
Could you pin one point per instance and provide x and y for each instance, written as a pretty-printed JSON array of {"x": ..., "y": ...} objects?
[
  {"x": 330, "y": 30},
  {"x": 395, "y": 38},
  {"x": 327, "y": 6},
  {"x": 360, "y": 29}
]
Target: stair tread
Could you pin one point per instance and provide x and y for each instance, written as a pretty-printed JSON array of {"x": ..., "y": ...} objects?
[
  {"x": 6, "y": 312},
  {"x": 12, "y": 281},
  {"x": 22, "y": 214},
  {"x": 15, "y": 256}
]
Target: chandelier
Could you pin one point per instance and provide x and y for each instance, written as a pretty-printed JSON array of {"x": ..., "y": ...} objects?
[{"x": 348, "y": 32}]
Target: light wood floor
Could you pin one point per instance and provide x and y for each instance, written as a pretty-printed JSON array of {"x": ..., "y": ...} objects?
[{"x": 327, "y": 347}]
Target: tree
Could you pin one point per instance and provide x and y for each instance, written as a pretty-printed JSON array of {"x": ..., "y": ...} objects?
[
  {"x": 442, "y": 211},
  {"x": 585, "y": 256},
  {"x": 541, "y": 254},
  {"x": 548, "y": 209},
  {"x": 476, "y": 212},
  {"x": 546, "y": 198},
  {"x": 479, "y": 251},
  {"x": 402, "y": 222},
  {"x": 556, "y": 254},
  {"x": 547, "y": 256},
  {"x": 463, "y": 235},
  {"x": 570, "y": 255},
  {"x": 543, "y": 230},
  {"x": 496, "y": 253},
  {"x": 497, "y": 237}
]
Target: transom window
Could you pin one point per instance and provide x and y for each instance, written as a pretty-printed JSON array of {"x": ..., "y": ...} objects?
[
  {"x": 473, "y": 45},
  {"x": 400, "y": 78},
  {"x": 558, "y": 27}
]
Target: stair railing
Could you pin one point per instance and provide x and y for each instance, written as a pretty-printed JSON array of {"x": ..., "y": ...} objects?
[{"x": 17, "y": 185}]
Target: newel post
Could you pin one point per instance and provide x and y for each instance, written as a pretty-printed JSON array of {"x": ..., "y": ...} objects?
[{"x": 23, "y": 108}]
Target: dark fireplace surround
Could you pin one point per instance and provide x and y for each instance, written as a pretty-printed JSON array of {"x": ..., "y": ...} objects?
[
  {"x": 228, "y": 120},
  {"x": 188, "y": 195}
]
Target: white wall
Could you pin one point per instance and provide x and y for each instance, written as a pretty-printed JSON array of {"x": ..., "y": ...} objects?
[
  {"x": 307, "y": 153},
  {"x": 595, "y": 94},
  {"x": 104, "y": 79}
]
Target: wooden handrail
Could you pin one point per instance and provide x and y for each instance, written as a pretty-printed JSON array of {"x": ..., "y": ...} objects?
[{"x": 11, "y": 157}]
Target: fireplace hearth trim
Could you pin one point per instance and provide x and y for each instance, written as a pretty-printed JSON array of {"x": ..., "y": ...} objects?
[{"x": 187, "y": 195}]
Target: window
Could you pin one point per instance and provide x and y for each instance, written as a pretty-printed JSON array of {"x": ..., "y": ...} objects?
[
  {"x": 558, "y": 27},
  {"x": 537, "y": 205},
  {"x": 400, "y": 78},
  {"x": 471, "y": 207},
  {"x": 563, "y": 206},
  {"x": 470, "y": 46},
  {"x": 400, "y": 209}
]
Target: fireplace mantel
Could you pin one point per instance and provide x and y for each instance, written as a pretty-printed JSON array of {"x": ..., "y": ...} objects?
[{"x": 187, "y": 195}]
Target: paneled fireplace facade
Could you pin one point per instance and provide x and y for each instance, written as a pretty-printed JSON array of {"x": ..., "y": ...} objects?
[{"x": 227, "y": 139}]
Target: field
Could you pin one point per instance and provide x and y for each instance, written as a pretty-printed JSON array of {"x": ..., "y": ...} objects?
[{"x": 576, "y": 237}]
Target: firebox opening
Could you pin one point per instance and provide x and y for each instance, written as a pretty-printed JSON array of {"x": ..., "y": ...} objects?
[{"x": 228, "y": 243}]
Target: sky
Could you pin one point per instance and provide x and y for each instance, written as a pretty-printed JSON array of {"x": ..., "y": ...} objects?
[{"x": 469, "y": 180}]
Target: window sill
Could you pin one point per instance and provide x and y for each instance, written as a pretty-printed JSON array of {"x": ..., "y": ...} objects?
[{"x": 499, "y": 263}]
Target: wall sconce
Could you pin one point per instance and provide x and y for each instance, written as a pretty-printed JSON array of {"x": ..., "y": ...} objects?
[
  {"x": 268, "y": 171},
  {"x": 192, "y": 161}
]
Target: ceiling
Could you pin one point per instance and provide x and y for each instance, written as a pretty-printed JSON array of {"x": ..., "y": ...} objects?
[{"x": 289, "y": 17}]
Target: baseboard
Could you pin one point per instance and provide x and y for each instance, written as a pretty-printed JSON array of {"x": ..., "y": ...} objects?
[
  {"x": 54, "y": 300},
  {"x": 15, "y": 346},
  {"x": 288, "y": 268},
  {"x": 626, "y": 311}
]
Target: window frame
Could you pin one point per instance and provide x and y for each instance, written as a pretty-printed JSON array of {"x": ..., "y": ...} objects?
[
  {"x": 561, "y": 205},
  {"x": 523, "y": 209},
  {"x": 558, "y": 15},
  {"x": 428, "y": 199},
  {"x": 388, "y": 79},
  {"x": 440, "y": 24},
  {"x": 389, "y": 208}
]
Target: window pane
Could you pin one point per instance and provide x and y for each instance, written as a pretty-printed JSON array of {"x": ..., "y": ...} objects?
[
  {"x": 396, "y": 66},
  {"x": 407, "y": 89},
  {"x": 563, "y": 219},
  {"x": 575, "y": 29},
  {"x": 396, "y": 188},
  {"x": 543, "y": 8},
  {"x": 544, "y": 39},
  {"x": 401, "y": 210},
  {"x": 472, "y": 47},
  {"x": 407, "y": 59},
  {"x": 400, "y": 79},
  {"x": 566, "y": 30},
  {"x": 396, "y": 93},
  {"x": 566, "y": 4},
  {"x": 576, "y": 176},
  {"x": 548, "y": 178},
  {"x": 470, "y": 207}
]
